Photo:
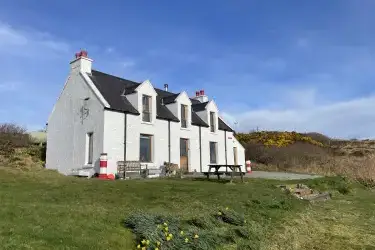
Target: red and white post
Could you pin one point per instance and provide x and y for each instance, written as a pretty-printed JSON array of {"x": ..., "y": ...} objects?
[
  {"x": 248, "y": 167},
  {"x": 103, "y": 166}
]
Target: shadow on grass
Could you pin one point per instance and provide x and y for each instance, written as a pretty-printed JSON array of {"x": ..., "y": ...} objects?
[{"x": 223, "y": 181}]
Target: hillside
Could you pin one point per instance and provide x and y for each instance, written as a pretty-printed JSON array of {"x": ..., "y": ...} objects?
[{"x": 310, "y": 153}]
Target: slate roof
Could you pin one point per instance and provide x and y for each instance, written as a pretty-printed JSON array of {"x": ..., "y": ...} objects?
[
  {"x": 224, "y": 126},
  {"x": 170, "y": 99},
  {"x": 113, "y": 89},
  {"x": 200, "y": 106}
]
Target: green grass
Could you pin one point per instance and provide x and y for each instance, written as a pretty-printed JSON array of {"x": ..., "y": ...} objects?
[{"x": 43, "y": 210}]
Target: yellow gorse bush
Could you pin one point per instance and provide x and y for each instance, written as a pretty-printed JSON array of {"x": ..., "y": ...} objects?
[{"x": 274, "y": 138}]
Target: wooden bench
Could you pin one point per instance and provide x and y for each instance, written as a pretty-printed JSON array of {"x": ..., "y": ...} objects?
[{"x": 131, "y": 169}]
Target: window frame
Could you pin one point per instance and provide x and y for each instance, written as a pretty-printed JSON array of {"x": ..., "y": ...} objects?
[
  {"x": 215, "y": 151},
  {"x": 89, "y": 148},
  {"x": 185, "y": 118},
  {"x": 151, "y": 150},
  {"x": 212, "y": 122},
  {"x": 147, "y": 111}
]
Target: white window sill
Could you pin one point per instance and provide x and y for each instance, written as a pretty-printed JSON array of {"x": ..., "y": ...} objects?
[
  {"x": 147, "y": 123},
  {"x": 213, "y": 133},
  {"x": 187, "y": 129}
]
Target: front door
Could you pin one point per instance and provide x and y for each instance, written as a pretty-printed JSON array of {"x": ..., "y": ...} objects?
[
  {"x": 235, "y": 156},
  {"x": 184, "y": 155}
]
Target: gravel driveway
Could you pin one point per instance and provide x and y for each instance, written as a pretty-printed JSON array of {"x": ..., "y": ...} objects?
[{"x": 280, "y": 175}]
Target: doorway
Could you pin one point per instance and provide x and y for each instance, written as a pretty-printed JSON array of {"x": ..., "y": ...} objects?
[{"x": 184, "y": 155}]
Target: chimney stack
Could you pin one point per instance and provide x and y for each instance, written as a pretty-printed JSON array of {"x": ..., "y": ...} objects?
[
  {"x": 81, "y": 63},
  {"x": 166, "y": 87},
  {"x": 200, "y": 96}
]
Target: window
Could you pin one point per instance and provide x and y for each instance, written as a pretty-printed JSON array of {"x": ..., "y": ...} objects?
[
  {"x": 89, "y": 147},
  {"x": 184, "y": 115},
  {"x": 145, "y": 148},
  {"x": 146, "y": 108},
  {"x": 212, "y": 121},
  {"x": 213, "y": 151}
]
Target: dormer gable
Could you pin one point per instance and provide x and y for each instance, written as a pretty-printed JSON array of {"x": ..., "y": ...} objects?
[
  {"x": 211, "y": 106},
  {"x": 146, "y": 88},
  {"x": 183, "y": 98},
  {"x": 180, "y": 106}
]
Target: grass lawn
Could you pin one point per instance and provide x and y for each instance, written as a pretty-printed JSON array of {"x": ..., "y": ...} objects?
[{"x": 43, "y": 210}]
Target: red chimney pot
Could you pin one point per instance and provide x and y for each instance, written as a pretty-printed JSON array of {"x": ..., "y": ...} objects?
[
  {"x": 196, "y": 93},
  {"x": 201, "y": 92},
  {"x": 82, "y": 53}
]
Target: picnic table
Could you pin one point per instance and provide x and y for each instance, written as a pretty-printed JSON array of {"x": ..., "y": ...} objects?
[{"x": 216, "y": 167}]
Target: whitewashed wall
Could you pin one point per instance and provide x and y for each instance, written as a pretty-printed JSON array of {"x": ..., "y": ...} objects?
[
  {"x": 66, "y": 132},
  {"x": 114, "y": 136}
]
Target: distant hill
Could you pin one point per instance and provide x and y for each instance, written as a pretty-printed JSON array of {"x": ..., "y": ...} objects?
[{"x": 310, "y": 153}]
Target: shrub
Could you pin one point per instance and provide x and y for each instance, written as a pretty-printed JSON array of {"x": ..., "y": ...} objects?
[
  {"x": 166, "y": 232},
  {"x": 171, "y": 169},
  {"x": 203, "y": 222},
  {"x": 275, "y": 138},
  {"x": 231, "y": 217},
  {"x": 297, "y": 154},
  {"x": 199, "y": 233},
  {"x": 12, "y": 136}
]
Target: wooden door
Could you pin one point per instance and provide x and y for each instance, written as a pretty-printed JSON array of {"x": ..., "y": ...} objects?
[{"x": 184, "y": 154}]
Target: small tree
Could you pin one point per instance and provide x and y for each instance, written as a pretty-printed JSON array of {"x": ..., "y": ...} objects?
[
  {"x": 11, "y": 128},
  {"x": 12, "y": 136}
]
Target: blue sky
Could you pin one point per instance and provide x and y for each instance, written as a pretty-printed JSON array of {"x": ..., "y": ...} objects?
[{"x": 280, "y": 65}]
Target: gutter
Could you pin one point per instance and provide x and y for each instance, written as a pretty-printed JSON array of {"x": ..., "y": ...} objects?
[
  {"x": 226, "y": 151},
  {"x": 169, "y": 141},
  {"x": 200, "y": 148},
  {"x": 125, "y": 125}
]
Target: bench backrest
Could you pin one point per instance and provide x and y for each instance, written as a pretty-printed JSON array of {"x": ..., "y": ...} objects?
[{"x": 128, "y": 167}]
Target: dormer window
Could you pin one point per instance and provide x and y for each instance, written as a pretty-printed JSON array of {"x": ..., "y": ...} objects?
[
  {"x": 146, "y": 108},
  {"x": 184, "y": 116},
  {"x": 212, "y": 122}
]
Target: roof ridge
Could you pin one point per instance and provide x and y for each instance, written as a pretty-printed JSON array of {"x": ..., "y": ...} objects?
[
  {"x": 172, "y": 93},
  {"x": 116, "y": 77}
]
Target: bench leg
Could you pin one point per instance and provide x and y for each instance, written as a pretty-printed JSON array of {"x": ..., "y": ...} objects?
[{"x": 241, "y": 173}]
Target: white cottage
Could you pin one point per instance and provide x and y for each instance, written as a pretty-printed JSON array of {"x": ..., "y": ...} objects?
[{"x": 133, "y": 121}]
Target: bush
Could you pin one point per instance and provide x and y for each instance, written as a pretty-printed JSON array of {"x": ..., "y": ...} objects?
[
  {"x": 203, "y": 222},
  {"x": 231, "y": 217},
  {"x": 171, "y": 169},
  {"x": 297, "y": 154},
  {"x": 12, "y": 137},
  {"x": 275, "y": 138},
  {"x": 199, "y": 233}
]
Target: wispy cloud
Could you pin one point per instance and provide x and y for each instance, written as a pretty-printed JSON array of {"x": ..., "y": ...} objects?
[
  {"x": 21, "y": 42},
  {"x": 9, "y": 86},
  {"x": 127, "y": 63},
  {"x": 109, "y": 50},
  {"x": 354, "y": 118}
]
